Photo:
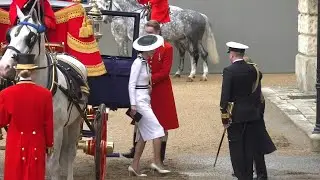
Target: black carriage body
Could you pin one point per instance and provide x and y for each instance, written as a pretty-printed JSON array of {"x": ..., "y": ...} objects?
[{"x": 112, "y": 88}]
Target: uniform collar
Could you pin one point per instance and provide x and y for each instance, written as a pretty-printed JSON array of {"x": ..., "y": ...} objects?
[
  {"x": 237, "y": 60},
  {"x": 25, "y": 80}
]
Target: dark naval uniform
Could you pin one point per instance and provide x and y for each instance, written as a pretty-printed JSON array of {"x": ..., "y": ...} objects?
[{"x": 241, "y": 86}]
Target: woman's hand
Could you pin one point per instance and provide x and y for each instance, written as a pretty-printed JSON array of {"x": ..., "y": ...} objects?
[
  {"x": 133, "y": 110},
  {"x": 150, "y": 90}
]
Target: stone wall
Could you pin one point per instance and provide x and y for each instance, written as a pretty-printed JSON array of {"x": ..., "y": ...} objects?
[{"x": 307, "y": 45}]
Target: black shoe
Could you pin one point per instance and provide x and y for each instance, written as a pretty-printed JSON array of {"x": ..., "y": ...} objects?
[
  {"x": 261, "y": 177},
  {"x": 129, "y": 154}
]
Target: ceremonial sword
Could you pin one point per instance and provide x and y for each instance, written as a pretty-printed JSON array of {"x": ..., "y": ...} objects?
[{"x": 224, "y": 132}]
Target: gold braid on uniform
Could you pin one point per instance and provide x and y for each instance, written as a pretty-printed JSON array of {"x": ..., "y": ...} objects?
[
  {"x": 256, "y": 66},
  {"x": 4, "y": 17},
  {"x": 225, "y": 115}
]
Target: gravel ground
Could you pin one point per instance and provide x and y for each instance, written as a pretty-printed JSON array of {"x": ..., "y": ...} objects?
[{"x": 198, "y": 135}]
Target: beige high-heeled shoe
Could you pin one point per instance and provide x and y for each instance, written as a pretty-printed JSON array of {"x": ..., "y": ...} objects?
[
  {"x": 154, "y": 167},
  {"x": 132, "y": 171}
]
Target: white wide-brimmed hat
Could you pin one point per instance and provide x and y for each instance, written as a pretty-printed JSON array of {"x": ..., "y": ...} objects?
[
  {"x": 148, "y": 42},
  {"x": 237, "y": 47}
]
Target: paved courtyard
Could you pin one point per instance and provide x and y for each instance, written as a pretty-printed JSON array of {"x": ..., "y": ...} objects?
[
  {"x": 299, "y": 107},
  {"x": 192, "y": 148}
]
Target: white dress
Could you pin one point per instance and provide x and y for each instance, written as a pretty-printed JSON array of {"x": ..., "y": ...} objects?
[{"x": 148, "y": 127}]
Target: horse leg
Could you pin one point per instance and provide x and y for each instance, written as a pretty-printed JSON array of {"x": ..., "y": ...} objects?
[
  {"x": 204, "y": 56},
  {"x": 193, "y": 66},
  {"x": 121, "y": 46},
  {"x": 125, "y": 46},
  {"x": 64, "y": 151},
  {"x": 54, "y": 163},
  {"x": 73, "y": 136},
  {"x": 194, "y": 57},
  {"x": 182, "y": 52},
  {"x": 119, "y": 33}
]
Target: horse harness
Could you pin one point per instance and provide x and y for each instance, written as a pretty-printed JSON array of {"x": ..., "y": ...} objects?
[{"x": 76, "y": 85}]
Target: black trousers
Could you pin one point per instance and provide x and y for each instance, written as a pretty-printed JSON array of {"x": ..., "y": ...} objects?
[
  {"x": 260, "y": 166},
  {"x": 244, "y": 142}
]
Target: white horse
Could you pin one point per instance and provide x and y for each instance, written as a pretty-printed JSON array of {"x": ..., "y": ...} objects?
[
  {"x": 187, "y": 31},
  {"x": 27, "y": 37}
]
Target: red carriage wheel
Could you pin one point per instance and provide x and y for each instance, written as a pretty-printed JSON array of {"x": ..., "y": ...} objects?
[{"x": 100, "y": 125}]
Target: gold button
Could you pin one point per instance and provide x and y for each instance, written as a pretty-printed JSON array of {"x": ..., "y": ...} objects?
[
  {"x": 22, "y": 149},
  {"x": 21, "y": 132},
  {"x": 33, "y": 132}
]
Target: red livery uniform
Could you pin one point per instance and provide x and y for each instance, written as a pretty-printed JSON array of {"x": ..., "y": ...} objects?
[
  {"x": 162, "y": 99},
  {"x": 27, "y": 108},
  {"x": 49, "y": 18},
  {"x": 71, "y": 26},
  {"x": 159, "y": 10}
]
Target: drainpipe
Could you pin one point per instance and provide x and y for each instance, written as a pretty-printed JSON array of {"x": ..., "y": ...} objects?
[{"x": 317, "y": 125}]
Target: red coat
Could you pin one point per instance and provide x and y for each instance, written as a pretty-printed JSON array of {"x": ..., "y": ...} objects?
[
  {"x": 49, "y": 18},
  {"x": 159, "y": 10},
  {"x": 162, "y": 99},
  {"x": 27, "y": 108},
  {"x": 65, "y": 26}
]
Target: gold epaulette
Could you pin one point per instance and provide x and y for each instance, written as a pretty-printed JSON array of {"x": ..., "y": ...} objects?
[{"x": 4, "y": 17}]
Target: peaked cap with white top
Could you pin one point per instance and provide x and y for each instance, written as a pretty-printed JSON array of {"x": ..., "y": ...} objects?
[{"x": 236, "y": 47}]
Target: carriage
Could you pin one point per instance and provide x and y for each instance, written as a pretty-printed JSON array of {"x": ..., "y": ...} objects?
[{"x": 107, "y": 92}]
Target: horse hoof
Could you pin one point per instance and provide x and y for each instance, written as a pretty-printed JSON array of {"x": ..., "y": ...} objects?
[
  {"x": 204, "y": 79},
  {"x": 189, "y": 79},
  {"x": 177, "y": 76}
]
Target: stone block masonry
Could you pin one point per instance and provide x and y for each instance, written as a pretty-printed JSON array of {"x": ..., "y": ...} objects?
[{"x": 306, "y": 59}]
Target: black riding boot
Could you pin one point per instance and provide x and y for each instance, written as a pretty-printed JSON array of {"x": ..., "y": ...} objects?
[
  {"x": 163, "y": 150},
  {"x": 132, "y": 150}
]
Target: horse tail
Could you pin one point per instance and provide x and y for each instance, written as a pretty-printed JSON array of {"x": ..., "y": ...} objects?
[{"x": 211, "y": 42}]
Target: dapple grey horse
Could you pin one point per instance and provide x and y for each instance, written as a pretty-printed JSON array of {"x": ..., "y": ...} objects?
[
  {"x": 66, "y": 120},
  {"x": 187, "y": 31}
]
